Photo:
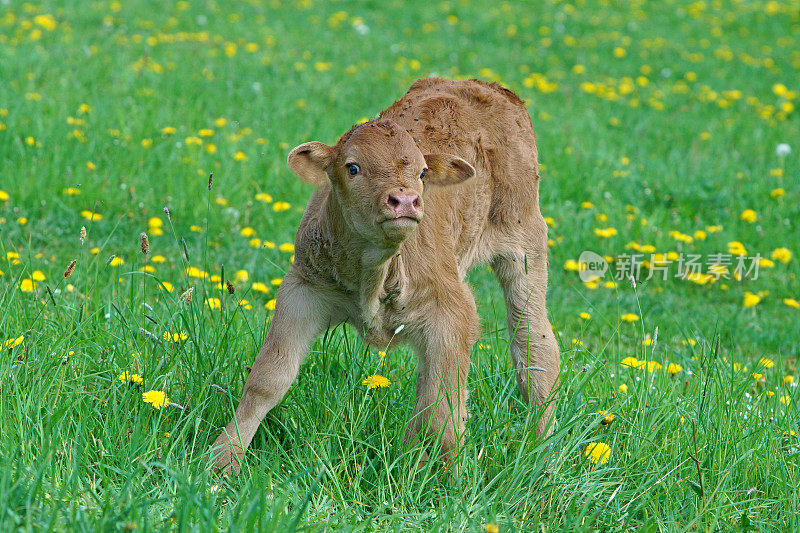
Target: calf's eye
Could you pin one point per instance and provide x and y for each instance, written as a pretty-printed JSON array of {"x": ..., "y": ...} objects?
[
  {"x": 353, "y": 169},
  {"x": 422, "y": 176}
]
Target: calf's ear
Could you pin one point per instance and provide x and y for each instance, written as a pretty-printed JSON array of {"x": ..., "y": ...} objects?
[
  {"x": 309, "y": 161},
  {"x": 445, "y": 169}
]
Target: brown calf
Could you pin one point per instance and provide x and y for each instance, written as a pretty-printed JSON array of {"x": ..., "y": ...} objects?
[{"x": 464, "y": 154}]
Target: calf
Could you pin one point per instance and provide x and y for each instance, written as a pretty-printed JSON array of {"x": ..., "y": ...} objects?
[{"x": 445, "y": 178}]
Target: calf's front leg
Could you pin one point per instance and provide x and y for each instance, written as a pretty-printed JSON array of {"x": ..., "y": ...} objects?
[
  {"x": 443, "y": 344},
  {"x": 299, "y": 318}
]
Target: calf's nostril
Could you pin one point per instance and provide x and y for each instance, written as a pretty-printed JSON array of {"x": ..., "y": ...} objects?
[
  {"x": 393, "y": 201},
  {"x": 415, "y": 203}
]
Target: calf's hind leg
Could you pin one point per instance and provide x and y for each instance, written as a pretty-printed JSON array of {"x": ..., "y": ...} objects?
[{"x": 522, "y": 273}]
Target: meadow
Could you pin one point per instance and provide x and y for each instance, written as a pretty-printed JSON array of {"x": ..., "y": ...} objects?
[{"x": 666, "y": 130}]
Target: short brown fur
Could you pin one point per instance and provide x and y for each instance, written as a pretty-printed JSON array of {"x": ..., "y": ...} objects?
[{"x": 366, "y": 254}]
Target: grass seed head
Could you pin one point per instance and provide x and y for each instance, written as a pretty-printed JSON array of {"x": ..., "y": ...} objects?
[
  {"x": 145, "y": 243},
  {"x": 186, "y": 297},
  {"x": 70, "y": 268},
  {"x": 83, "y": 234},
  {"x": 229, "y": 286}
]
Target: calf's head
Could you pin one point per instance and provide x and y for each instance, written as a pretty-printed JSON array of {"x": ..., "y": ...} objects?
[{"x": 378, "y": 177}]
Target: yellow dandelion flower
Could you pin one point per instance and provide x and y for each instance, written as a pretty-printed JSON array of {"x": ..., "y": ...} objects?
[
  {"x": 629, "y": 317},
  {"x": 375, "y": 381},
  {"x": 156, "y": 398},
  {"x": 584, "y": 315},
  {"x": 674, "y": 368},
  {"x": 788, "y": 380},
  {"x": 784, "y": 255},
  {"x": 127, "y": 377},
  {"x": 213, "y": 303},
  {"x": 4, "y": 197},
  {"x": 247, "y": 231},
  {"x": 194, "y": 272},
  {"x": 750, "y": 299},
  {"x": 622, "y": 388},
  {"x": 277, "y": 282},
  {"x": 158, "y": 259},
  {"x": 260, "y": 287},
  {"x": 205, "y": 132},
  {"x": 749, "y": 216},
  {"x": 631, "y": 362},
  {"x": 264, "y": 197},
  {"x": 785, "y": 399},
  {"x": 652, "y": 366},
  {"x": 242, "y": 275},
  {"x": 605, "y": 233},
  {"x": 286, "y": 247},
  {"x": 240, "y": 156},
  {"x": 176, "y": 337},
  {"x": 281, "y": 206},
  {"x": 14, "y": 342},
  {"x": 37, "y": 275},
  {"x": 167, "y": 286},
  {"x": 27, "y": 285},
  {"x": 117, "y": 261},
  {"x": 270, "y": 305},
  {"x": 90, "y": 215},
  {"x": 597, "y": 452},
  {"x": 169, "y": 130}
]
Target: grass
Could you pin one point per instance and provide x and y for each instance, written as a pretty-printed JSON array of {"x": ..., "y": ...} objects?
[{"x": 651, "y": 118}]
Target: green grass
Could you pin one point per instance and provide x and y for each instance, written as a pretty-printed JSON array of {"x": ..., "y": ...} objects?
[{"x": 664, "y": 112}]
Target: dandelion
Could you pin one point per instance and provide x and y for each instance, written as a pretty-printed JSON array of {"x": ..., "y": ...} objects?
[
  {"x": 176, "y": 337},
  {"x": 629, "y": 317},
  {"x": 674, "y": 368},
  {"x": 777, "y": 193},
  {"x": 270, "y": 305},
  {"x": 785, "y": 399},
  {"x": 492, "y": 528},
  {"x": 607, "y": 419},
  {"x": 127, "y": 377},
  {"x": 584, "y": 315},
  {"x": 37, "y": 275},
  {"x": 91, "y": 215},
  {"x": 605, "y": 233},
  {"x": 631, "y": 362},
  {"x": 27, "y": 285},
  {"x": 788, "y": 380},
  {"x": 242, "y": 275},
  {"x": 158, "y": 259},
  {"x": 652, "y": 366},
  {"x": 286, "y": 247},
  {"x": 784, "y": 255},
  {"x": 749, "y": 216},
  {"x": 375, "y": 381},
  {"x": 194, "y": 272},
  {"x": 281, "y": 206},
  {"x": 598, "y": 452},
  {"x": 750, "y": 299},
  {"x": 116, "y": 261},
  {"x": 247, "y": 232},
  {"x": 277, "y": 282},
  {"x": 766, "y": 363},
  {"x": 623, "y": 388},
  {"x": 240, "y": 156},
  {"x": 167, "y": 286},
  {"x": 156, "y": 398},
  {"x": 213, "y": 303},
  {"x": 791, "y": 302},
  {"x": 264, "y": 197},
  {"x": 260, "y": 287},
  {"x": 14, "y": 342}
]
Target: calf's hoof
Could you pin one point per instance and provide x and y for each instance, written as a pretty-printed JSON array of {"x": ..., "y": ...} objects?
[{"x": 225, "y": 456}]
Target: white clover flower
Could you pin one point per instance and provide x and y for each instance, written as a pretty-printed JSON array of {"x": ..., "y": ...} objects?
[{"x": 783, "y": 149}]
